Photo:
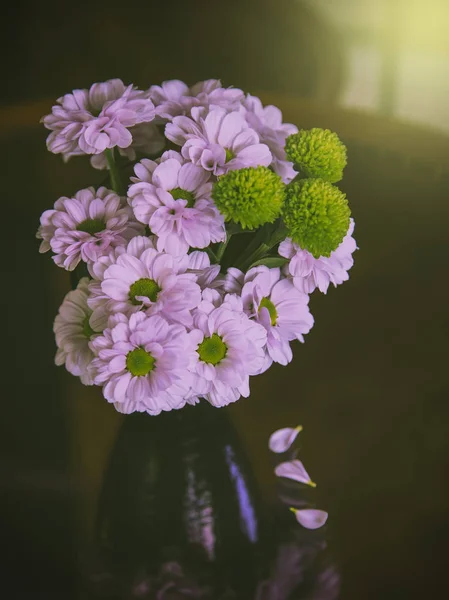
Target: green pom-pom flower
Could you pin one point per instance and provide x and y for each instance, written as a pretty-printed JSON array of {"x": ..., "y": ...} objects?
[
  {"x": 317, "y": 153},
  {"x": 251, "y": 196},
  {"x": 316, "y": 215}
]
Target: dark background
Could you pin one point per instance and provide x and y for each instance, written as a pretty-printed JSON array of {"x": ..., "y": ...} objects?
[{"x": 370, "y": 385}]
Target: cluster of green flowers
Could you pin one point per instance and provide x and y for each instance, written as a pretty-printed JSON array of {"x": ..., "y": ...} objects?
[{"x": 310, "y": 210}]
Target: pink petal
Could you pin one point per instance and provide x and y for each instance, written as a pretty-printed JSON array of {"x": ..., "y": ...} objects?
[
  {"x": 138, "y": 245},
  {"x": 166, "y": 174},
  {"x": 310, "y": 518},
  {"x": 279, "y": 350},
  {"x": 96, "y": 209},
  {"x": 295, "y": 470},
  {"x": 282, "y": 439},
  {"x": 192, "y": 177},
  {"x": 76, "y": 210},
  {"x": 212, "y": 124},
  {"x": 257, "y": 155},
  {"x": 162, "y": 264},
  {"x": 246, "y": 138},
  {"x": 231, "y": 126},
  {"x": 121, "y": 387},
  {"x": 117, "y": 364},
  {"x": 115, "y": 289}
]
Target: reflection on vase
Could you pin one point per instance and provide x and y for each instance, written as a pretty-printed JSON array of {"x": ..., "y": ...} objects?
[{"x": 179, "y": 517}]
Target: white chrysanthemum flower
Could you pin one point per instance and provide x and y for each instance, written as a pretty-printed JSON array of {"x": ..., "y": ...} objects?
[{"x": 73, "y": 331}]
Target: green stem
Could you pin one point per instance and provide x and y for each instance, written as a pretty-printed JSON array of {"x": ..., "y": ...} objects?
[
  {"x": 254, "y": 245},
  {"x": 211, "y": 255},
  {"x": 264, "y": 248},
  {"x": 222, "y": 247},
  {"x": 114, "y": 174},
  {"x": 261, "y": 251}
]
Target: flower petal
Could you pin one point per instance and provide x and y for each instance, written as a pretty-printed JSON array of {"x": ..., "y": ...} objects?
[
  {"x": 310, "y": 518},
  {"x": 282, "y": 439},
  {"x": 295, "y": 470}
]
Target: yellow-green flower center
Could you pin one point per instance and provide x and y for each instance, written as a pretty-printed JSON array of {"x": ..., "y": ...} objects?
[
  {"x": 266, "y": 303},
  {"x": 92, "y": 226},
  {"x": 317, "y": 153},
  {"x": 139, "y": 362},
  {"x": 229, "y": 154},
  {"x": 87, "y": 329},
  {"x": 180, "y": 194},
  {"x": 144, "y": 287},
  {"x": 250, "y": 196},
  {"x": 316, "y": 214},
  {"x": 212, "y": 349}
]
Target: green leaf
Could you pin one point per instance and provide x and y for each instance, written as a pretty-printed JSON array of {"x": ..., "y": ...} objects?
[{"x": 270, "y": 261}]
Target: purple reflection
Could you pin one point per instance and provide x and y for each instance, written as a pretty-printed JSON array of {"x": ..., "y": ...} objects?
[
  {"x": 198, "y": 511},
  {"x": 247, "y": 515}
]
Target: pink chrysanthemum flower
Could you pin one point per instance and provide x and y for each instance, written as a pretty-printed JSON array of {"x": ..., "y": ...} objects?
[
  {"x": 309, "y": 273},
  {"x": 86, "y": 227},
  {"x": 90, "y": 121},
  {"x": 267, "y": 122},
  {"x": 196, "y": 263},
  {"x": 73, "y": 331},
  {"x": 233, "y": 281},
  {"x": 142, "y": 279},
  {"x": 218, "y": 141},
  {"x": 98, "y": 301},
  {"x": 142, "y": 363},
  {"x": 174, "y": 199},
  {"x": 210, "y": 300},
  {"x": 212, "y": 93},
  {"x": 276, "y": 304},
  {"x": 174, "y": 98},
  {"x": 171, "y": 98},
  {"x": 229, "y": 350},
  {"x": 147, "y": 139}
]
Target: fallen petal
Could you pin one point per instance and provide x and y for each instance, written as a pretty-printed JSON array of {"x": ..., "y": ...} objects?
[
  {"x": 310, "y": 518},
  {"x": 282, "y": 439},
  {"x": 294, "y": 469}
]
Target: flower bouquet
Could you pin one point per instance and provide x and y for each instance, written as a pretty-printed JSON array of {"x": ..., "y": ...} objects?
[
  {"x": 192, "y": 267},
  {"x": 194, "y": 274}
]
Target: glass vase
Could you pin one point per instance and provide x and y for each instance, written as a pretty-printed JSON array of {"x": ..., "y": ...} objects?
[{"x": 179, "y": 504}]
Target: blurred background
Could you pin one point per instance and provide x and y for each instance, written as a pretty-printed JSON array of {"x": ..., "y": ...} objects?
[{"x": 369, "y": 386}]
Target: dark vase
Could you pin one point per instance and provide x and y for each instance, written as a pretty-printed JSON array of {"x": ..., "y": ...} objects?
[{"x": 178, "y": 504}]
